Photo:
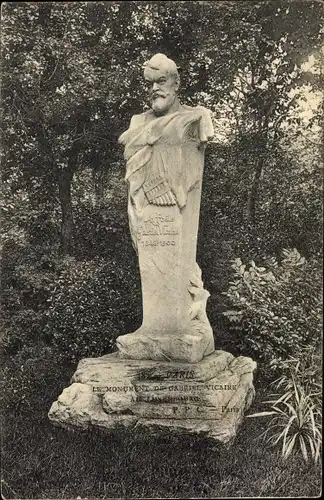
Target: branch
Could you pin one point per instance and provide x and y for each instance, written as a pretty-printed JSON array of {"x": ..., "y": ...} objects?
[
  {"x": 80, "y": 137},
  {"x": 54, "y": 70},
  {"x": 59, "y": 58},
  {"x": 318, "y": 144},
  {"x": 239, "y": 90},
  {"x": 245, "y": 81},
  {"x": 281, "y": 117},
  {"x": 43, "y": 138},
  {"x": 21, "y": 118}
]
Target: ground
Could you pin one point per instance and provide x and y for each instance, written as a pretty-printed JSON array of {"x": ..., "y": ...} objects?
[{"x": 43, "y": 461}]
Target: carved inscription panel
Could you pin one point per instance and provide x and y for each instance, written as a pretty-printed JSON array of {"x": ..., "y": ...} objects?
[{"x": 158, "y": 230}]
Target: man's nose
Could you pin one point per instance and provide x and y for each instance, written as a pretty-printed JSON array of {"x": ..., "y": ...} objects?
[{"x": 155, "y": 86}]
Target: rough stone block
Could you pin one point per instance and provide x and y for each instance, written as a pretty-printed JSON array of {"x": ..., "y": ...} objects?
[{"x": 207, "y": 398}]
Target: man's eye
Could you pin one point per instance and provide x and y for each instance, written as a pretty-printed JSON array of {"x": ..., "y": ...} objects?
[{"x": 163, "y": 80}]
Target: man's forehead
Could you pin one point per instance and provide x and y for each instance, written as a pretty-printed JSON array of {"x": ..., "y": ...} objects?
[{"x": 155, "y": 74}]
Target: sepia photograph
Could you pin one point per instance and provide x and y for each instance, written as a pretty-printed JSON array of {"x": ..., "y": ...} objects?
[{"x": 161, "y": 249}]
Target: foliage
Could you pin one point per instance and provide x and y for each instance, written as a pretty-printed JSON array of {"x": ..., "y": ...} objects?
[
  {"x": 66, "y": 301},
  {"x": 101, "y": 222},
  {"x": 91, "y": 303},
  {"x": 31, "y": 378},
  {"x": 72, "y": 79},
  {"x": 278, "y": 307},
  {"x": 28, "y": 272},
  {"x": 296, "y": 415},
  {"x": 306, "y": 370}
]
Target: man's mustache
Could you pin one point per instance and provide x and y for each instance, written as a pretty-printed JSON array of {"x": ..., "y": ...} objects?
[{"x": 158, "y": 94}]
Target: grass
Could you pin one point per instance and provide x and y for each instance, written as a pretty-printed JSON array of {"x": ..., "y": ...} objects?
[{"x": 43, "y": 461}]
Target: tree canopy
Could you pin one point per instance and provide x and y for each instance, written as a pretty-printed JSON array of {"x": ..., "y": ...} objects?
[{"x": 72, "y": 78}]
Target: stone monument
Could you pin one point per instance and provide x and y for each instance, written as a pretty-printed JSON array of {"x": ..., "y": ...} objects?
[{"x": 167, "y": 373}]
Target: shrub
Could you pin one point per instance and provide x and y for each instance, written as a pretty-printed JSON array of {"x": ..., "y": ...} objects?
[
  {"x": 27, "y": 276},
  {"x": 91, "y": 304},
  {"x": 277, "y": 308},
  {"x": 100, "y": 230},
  {"x": 295, "y": 411},
  {"x": 31, "y": 380}
]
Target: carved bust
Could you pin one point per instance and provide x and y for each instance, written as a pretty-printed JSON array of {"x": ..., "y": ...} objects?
[{"x": 166, "y": 125}]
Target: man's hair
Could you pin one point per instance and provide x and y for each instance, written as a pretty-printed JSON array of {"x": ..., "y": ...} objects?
[{"x": 160, "y": 61}]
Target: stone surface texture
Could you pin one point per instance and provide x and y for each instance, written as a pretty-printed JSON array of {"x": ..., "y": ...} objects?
[{"x": 207, "y": 398}]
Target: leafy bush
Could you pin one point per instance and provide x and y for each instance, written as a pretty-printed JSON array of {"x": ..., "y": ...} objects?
[
  {"x": 91, "y": 304},
  {"x": 277, "y": 308},
  {"x": 32, "y": 379},
  {"x": 27, "y": 276},
  {"x": 100, "y": 230},
  {"x": 296, "y": 411},
  {"x": 78, "y": 306}
]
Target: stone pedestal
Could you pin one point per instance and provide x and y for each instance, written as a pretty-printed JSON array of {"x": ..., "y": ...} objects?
[{"x": 206, "y": 398}]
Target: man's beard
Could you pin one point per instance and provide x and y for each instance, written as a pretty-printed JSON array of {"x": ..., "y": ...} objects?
[{"x": 162, "y": 102}]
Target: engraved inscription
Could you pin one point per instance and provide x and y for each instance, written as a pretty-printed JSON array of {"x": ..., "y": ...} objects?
[
  {"x": 181, "y": 374},
  {"x": 225, "y": 409},
  {"x": 158, "y": 225},
  {"x": 171, "y": 388},
  {"x": 158, "y": 243}
]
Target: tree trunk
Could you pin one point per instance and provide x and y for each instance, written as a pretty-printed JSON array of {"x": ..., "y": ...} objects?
[
  {"x": 99, "y": 189},
  {"x": 64, "y": 181},
  {"x": 65, "y": 178},
  {"x": 252, "y": 200},
  {"x": 260, "y": 154}
]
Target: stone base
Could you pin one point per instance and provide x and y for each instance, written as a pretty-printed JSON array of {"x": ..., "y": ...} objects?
[
  {"x": 186, "y": 347},
  {"x": 206, "y": 398}
]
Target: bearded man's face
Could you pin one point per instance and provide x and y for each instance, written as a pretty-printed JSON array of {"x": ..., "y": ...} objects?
[{"x": 162, "y": 88}]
